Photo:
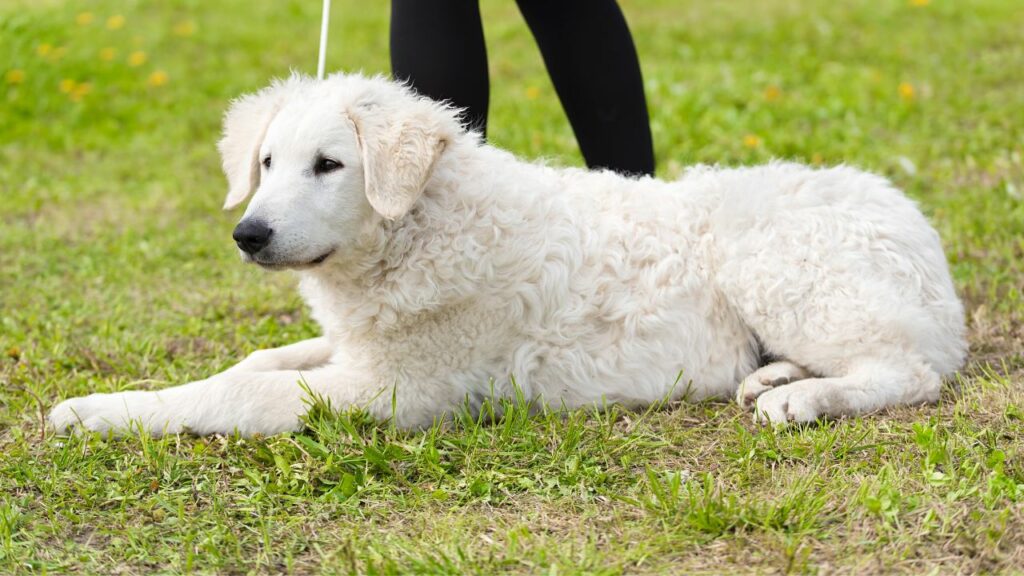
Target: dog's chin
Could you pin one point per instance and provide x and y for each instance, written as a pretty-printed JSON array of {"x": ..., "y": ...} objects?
[{"x": 273, "y": 264}]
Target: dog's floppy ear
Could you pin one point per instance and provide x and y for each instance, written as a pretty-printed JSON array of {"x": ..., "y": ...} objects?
[
  {"x": 399, "y": 152},
  {"x": 245, "y": 125}
]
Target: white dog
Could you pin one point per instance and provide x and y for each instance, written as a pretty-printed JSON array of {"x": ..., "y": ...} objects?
[{"x": 441, "y": 269}]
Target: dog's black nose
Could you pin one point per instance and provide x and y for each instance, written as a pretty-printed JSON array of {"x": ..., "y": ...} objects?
[{"x": 252, "y": 235}]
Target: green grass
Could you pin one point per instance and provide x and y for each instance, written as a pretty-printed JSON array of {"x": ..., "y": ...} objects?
[{"x": 117, "y": 271}]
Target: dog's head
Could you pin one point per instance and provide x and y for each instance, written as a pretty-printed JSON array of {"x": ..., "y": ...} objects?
[{"x": 324, "y": 160}]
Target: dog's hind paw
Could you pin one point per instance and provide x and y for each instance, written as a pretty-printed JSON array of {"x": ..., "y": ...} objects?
[
  {"x": 766, "y": 378},
  {"x": 786, "y": 405}
]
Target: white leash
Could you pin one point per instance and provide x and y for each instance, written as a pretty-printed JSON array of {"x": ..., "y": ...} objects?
[{"x": 323, "y": 40}]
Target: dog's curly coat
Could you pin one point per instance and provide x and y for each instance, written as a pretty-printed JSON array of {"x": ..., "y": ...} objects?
[{"x": 441, "y": 268}]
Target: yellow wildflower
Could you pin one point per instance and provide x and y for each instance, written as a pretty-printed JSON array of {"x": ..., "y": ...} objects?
[
  {"x": 44, "y": 49},
  {"x": 157, "y": 78},
  {"x": 816, "y": 159},
  {"x": 184, "y": 28},
  {"x": 80, "y": 91},
  {"x": 751, "y": 141},
  {"x": 137, "y": 58},
  {"x": 67, "y": 85},
  {"x": 84, "y": 19},
  {"x": 533, "y": 93},
  {"x": 107, "y": 54},
  {"x": 906, "y": 90},
  {"x": 115, "y": 22},
  {"x": 15, "y": 76},
  {"x": 772, "y": 93},
  {"x": 920, "y": 3}
]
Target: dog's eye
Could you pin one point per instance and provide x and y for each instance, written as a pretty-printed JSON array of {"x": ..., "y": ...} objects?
[
  {"x": 266, "y": 162},
  {"x": 324, "y": 165}
]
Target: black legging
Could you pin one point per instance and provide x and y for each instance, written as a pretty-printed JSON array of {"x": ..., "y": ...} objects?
[{"x": 438, "y": 46}]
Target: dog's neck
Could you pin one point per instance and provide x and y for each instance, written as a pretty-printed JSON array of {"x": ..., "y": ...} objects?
[{"x": 460, "y": 242}]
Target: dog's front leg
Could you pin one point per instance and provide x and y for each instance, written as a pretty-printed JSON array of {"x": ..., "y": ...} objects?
[
  {"x": 304, "y": 355},
  {"x": 244, "y": 402}
]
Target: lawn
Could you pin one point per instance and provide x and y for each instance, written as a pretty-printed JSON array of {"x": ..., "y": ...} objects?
[{"x": 117, "y": 271}]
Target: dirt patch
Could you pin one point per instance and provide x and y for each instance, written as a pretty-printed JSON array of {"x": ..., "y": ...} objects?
[{"x": 185, "y": 347}]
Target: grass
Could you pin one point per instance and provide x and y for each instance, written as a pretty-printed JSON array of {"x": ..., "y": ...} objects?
[{"x": 117, "y": 271}]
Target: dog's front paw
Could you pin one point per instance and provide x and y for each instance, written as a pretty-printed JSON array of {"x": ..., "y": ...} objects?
[
  {"x": 118, "y": 412},
  {"x": 77, "y": 413}
]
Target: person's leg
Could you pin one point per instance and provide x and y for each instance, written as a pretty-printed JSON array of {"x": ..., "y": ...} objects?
[
  {"x": 438, "y": 47},
  {"x": 593, "y": 64}
]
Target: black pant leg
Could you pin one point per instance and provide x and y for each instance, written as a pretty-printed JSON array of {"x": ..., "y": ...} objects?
[
  {"x": 589, "y": 53},
  {"x": 438, "y": 47}
]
